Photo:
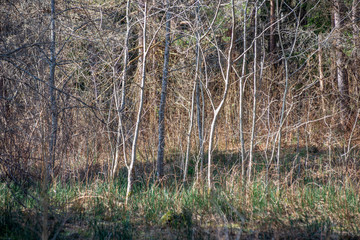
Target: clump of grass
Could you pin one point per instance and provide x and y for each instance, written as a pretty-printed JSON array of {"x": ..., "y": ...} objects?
[
  {"x": 111, "y": 230},
  {"x": 15, "y": 221}
]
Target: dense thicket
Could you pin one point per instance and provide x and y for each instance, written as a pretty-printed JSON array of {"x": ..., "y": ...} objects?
[{"x": 82, "y": 86}]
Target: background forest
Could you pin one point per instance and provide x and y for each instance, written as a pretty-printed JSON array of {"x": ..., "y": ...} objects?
[{"x": 160, "y": 119}]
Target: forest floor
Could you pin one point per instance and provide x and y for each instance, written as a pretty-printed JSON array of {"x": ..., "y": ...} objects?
[{"x": 319, "y": 200}]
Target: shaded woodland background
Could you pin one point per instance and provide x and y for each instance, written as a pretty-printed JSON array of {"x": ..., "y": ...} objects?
[{"x": 285, "y": 73}]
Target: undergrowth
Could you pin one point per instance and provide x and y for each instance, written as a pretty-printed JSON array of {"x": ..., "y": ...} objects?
[{"x": 306, "y": 206}]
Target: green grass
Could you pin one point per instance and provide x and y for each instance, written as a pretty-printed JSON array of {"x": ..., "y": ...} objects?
[{"x": 311, "y": 207}]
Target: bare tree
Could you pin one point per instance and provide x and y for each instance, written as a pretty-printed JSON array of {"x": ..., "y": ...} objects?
[
  {"x": 195, "y": 98},
  {"x": 197, "y": 91},
  {"x": 285, "y": 57},
  {"x": 141, "y": 102},
  {"x": 226, "y": 79},
  {"x": 120, "y": 103},
  {"x": 50, "y": 162},
  {"x": 200, "y": 104},
  {"x": 145, "y": 50},
  {"x": 253, "y": 130},
  {"x": 160, "y": 156},
  {"x": 53, "y": 105},
  {"x": 241, "y": 91}
]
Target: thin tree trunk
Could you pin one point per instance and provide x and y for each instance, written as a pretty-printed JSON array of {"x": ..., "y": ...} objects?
[
  {"x": 188, "y": 137},
  {"x": 342, "y": 77},
  {"x": 241, "y": 89},
  {"x": 50, "y": 162},
  {"x": 356, "y": 30},
  {"x": 226, "y": 88},
  {"x": 282, "y": 113},
  {"x": 199, "y": 109},
  {"x": 118, "y": 137},
  {"x": 120, "y": 107},
  {"x": 283, "y": 107},
  {"x": 195, "y": 97},
  {"x": 201, "y": 125},
  {"x": 53, "y": 104},
  {"x": 160, "y": 156},
  {"x": 321, "y": 74},
  {"x": 141, "y": 102},
  {"x": 200, "y": 122},
  {"x": 272, "y": 42},
  {"x": 252, "y": 139}
]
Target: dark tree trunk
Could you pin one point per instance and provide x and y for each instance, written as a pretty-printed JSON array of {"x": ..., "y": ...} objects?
[
  {"x": 53, "y": 104},
  {"x": 341, "y": 73},
  {"x": 272, "y": 43},
  {"x": 160, "y": 156},
  {"x": 355, "y": 24}
]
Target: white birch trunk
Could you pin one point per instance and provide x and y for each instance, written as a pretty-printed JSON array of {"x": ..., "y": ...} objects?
[
  {"x": 253, "y": 133},
  {"x": 141, "y": 101},
  {"x": 120, "y": 105},
  {"x": 241, "y": 89},
  {"x": 226, "y": 88}
]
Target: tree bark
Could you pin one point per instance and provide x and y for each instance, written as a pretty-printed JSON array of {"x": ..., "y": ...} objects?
[
  {"x": 341, "y": 73},
  {"x": 272, "y": 42},
  {"x": 50, "y": 162},
  {"x": 161, "y": 145},
  {"x": 53, "y": 104},
  {"x": 356, "y": 30}
]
